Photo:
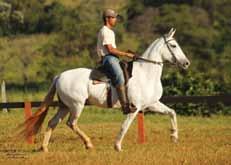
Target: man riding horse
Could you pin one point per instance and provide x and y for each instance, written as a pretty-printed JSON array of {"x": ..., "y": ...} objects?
[
  {"x": 109, "y": 57},
  {"x": 75, "y": 87}
]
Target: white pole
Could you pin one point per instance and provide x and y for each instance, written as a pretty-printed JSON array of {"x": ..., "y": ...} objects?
[{"x": 4, "y": 100}]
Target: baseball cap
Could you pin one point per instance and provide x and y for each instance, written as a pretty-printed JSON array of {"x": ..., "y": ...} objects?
[{"x": 109, "y": 13}]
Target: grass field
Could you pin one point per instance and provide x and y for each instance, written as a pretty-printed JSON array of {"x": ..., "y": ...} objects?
[{"x": 202, "y": 141}]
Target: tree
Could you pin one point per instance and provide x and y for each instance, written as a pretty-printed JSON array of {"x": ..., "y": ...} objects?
[{"x": 10, "y": 19}]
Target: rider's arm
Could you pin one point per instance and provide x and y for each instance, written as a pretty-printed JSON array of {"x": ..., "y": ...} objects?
[{"x": 117, "y": 52}]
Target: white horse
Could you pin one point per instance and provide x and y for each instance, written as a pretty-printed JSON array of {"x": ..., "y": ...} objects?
[{"x": 74, "y": 87}]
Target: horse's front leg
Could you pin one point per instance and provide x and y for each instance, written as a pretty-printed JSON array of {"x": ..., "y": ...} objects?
[
  {"x": 126, "y": 124},
  {"x": 163, "y": 109}
]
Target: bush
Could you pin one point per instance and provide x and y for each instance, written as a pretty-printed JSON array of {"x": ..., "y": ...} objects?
[
  {"x": 10, "y": 20},
  {"x": 189, "y": 84}
]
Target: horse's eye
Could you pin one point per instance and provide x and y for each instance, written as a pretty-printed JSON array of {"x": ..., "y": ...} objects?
[{"x": 172, "y": 45}]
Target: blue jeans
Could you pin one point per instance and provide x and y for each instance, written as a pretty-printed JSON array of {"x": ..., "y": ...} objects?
[{"x": 112, "y": 67}]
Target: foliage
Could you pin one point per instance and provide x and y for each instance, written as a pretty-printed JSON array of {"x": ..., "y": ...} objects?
[
  {"x": 10, "y": 19},
  {"x": 45, "y": 37}
]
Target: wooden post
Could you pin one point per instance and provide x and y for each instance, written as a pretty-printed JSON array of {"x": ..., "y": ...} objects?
[
  {"x": 141, "y": 133},
  {"x": 3, "y": 89},
  {"x": 28, "y": 113}
]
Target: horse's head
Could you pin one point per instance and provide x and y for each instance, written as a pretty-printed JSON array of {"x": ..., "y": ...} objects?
[{"x": 172, "y": 52}]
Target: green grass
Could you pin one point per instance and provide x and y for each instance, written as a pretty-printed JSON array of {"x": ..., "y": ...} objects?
[
  {"x": 18, "y": 96},
  {"x": 202, "y": 141},
  {"x": 105, "y": 4}
]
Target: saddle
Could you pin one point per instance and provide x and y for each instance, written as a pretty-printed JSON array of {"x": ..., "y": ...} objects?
[{"x": 99, "y": 75}]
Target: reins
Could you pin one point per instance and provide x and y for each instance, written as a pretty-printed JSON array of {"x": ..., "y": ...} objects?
[{"x": 150, "y": 61}]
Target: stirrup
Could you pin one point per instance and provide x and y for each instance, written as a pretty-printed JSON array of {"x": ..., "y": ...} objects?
[
  {"x": 132, "y": 108},
  {"x": 129, "y": 108}
]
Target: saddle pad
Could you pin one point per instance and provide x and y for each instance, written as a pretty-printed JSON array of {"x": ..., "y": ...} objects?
[{"x": 99, "y": 75}]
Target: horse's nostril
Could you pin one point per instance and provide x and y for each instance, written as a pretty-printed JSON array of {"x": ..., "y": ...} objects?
[{"x": 187, "y": 63}]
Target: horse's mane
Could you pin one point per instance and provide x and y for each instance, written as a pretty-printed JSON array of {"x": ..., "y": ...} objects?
[{"x": 155, "y": 45}]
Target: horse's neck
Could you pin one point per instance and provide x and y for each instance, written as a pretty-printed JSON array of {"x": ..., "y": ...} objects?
[
  {"x": 152, "y": 72},
  {"x": 153, "y": 51}
]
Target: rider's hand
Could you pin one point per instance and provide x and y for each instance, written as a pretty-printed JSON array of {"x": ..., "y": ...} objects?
[
  {"x": 135, "y": 57},
  {"x": 130, "y": 55}
]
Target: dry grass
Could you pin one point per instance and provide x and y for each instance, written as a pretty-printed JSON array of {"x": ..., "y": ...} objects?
[{"x": 202, "y": 141}]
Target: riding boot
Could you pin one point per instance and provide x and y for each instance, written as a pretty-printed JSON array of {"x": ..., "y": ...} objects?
[{"x": 126, "y": 107}]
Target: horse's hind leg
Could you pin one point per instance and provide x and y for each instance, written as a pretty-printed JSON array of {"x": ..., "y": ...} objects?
[
  {"x": 61, "y": 113},
  {"x": 75, "y": 113}
]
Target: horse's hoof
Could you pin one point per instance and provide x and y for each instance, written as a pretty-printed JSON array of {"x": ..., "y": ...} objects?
[
  {"x": 89, "y": 146},
  {"x": 43, "y": 149},
  {"x": 174, "y": 139},
  {"x": 117, "y": 147}
]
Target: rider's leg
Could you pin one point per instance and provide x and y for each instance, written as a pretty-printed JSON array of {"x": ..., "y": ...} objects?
[
  {"x": 127, "y": 108},
  {"x": 112, "y": 64}
]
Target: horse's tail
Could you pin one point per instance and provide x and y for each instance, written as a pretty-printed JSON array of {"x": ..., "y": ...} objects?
[{"x": 33, "y": 124}]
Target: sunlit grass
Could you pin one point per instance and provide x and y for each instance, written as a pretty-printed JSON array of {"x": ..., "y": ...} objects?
[
  {"x": 19, "y": 96},
  {"x": 202, "y": 141},
  {"x": 104, "y": 3},
  {"x": 68, "y": 3}
]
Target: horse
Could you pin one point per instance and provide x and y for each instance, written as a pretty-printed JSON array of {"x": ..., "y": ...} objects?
[{"x": 144, "y": 90}]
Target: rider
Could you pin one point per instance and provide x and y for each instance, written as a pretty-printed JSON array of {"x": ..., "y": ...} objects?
[{"x": 109, "y": 55}]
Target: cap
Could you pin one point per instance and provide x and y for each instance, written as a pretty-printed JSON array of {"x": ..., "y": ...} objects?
[{"x": 109, "y": 13}]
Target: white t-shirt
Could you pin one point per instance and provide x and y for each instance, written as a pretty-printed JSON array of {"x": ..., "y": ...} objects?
[{"x": 106, "y": 36}]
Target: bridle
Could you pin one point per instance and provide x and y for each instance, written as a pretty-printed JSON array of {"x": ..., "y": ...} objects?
[
  {"x": 158, "y": 62},
  {"x": 170, "y": 50}
]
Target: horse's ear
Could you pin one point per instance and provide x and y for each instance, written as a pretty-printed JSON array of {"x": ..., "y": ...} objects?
[{"x": 171, "y": 33}]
